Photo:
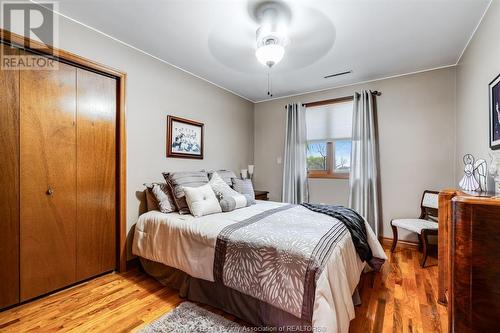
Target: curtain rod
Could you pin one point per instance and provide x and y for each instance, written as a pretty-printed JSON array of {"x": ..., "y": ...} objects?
[{"x": 336, "y": 100}]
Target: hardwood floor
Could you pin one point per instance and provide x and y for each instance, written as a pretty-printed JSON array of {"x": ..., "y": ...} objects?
[{"x": 402, "y": 298}]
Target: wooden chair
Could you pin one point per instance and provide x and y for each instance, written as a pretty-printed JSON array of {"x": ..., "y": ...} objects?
[{"x": 424, "y": 226}]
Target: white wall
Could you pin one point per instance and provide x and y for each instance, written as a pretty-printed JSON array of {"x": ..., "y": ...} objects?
[
  {"x": 329, "y": 191},
  {"x": 416, "y": 115},
  {"x": 154, "y": 90},
  {"x": 416, "y": 121},
  {"x": 479, "y": 65}
]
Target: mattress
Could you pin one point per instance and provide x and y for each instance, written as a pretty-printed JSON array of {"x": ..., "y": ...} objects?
[{"x": 188, "y": 244}]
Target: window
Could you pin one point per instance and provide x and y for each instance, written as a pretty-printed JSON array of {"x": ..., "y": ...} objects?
[{"x": 329, "y": 128}]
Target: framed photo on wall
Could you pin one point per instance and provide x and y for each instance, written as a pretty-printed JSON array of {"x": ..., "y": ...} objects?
[
  {"x": 184, "y": 138},
  {"x": 495, "y": 113}
]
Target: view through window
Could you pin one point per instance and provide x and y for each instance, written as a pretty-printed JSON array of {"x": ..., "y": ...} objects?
[{"x": 317, "y": 155}]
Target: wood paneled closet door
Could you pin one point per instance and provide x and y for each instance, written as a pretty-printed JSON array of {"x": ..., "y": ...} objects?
[
  {"x": 9, "y": 182},
  {"x": 48, "y": 179},
  {"x": 96, "y": 180}
]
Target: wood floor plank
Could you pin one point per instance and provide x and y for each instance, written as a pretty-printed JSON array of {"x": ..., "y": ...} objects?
[{"x": 400, "y": 298}]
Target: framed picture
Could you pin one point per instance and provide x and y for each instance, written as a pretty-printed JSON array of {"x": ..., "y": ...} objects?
[
  {"x": 495, "y": 113},
  {"x": 184, "y": 138}
]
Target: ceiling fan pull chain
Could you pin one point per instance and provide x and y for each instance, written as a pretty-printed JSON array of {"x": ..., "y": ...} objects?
[
  {"x": 268, "y": 89},
  {"x": 271, "y": 85}
]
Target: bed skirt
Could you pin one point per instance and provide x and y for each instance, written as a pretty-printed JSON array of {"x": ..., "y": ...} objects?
[{"x": 245, "y": 307}]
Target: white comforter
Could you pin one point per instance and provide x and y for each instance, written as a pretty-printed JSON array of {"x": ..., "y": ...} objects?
[{"x": 188, "y": 243}]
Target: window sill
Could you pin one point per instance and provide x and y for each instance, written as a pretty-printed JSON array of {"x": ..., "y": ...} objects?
[{"x": 329, "y": 176}]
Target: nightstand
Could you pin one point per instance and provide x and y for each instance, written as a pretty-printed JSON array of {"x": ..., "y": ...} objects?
[{"x": 261, "y": 195}]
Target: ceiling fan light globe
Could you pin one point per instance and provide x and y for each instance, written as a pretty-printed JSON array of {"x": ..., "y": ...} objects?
[{"x": 269, "y": 55}]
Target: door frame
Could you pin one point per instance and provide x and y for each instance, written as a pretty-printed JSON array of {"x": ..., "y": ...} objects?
[{"x": 28, "y": 44}]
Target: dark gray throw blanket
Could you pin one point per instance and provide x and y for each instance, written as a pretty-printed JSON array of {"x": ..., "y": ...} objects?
[
  {"x": 356, "y": 226},
  {"x": 354, "y": 223}
]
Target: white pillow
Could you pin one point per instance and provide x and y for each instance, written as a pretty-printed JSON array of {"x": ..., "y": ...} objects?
[{"x": 201, "y": 200}]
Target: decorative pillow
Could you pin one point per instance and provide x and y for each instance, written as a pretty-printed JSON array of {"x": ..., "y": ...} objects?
[
  {"x": 159, "y": 197},
  {"x": 226, "y": 175},
  {"x": 220, "y": 186},
  {"x": 229, "y": 199},
  {"x": 228, "y": 204},
  {"x": 164, "y": 198},
  {"x": 201, "y": 200},
  {"x": 178, "y": 180},
  {"x": 244, "y": 186},
  {"x": 151, "y": 203}
]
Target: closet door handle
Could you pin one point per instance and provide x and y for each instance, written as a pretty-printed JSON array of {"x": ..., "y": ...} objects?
[{"x": 50, "y": 191}]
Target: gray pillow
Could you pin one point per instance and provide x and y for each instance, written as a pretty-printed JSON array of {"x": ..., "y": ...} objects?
[
  {"x": 159, "y": 197},
  {"x": 226, "y": 175},
  {"x": 164, "y": 197},
  {"x": 244, "y": 186},
  {"x": 228, "y": 203},
  {"x": 176, "y": 182},
  {"x": 151, "y": 203}
]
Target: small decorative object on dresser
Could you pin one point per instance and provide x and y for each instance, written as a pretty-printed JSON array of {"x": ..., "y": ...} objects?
[
  {"x": 475, "y": 173},
  {"x": 495, "y": 113},
  {"x": 184, "y": 138},
  {"x": 494, "y": 172},
  {"x": 261, "y": 195}
]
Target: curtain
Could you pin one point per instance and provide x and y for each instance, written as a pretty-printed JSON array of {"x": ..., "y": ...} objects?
[
  {"x": 364, "y": 176},
  {"x": 295, "y": 189}
]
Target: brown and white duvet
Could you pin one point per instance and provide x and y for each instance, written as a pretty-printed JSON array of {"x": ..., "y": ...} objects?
[{"x": 264, "y": 251}]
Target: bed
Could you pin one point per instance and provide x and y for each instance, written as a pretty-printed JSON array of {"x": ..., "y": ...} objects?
[{"x": 192, "y": 245}]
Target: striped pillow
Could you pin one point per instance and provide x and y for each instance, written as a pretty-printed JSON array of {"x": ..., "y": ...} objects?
[
  {"x": 244, "y": 186},
  {"x": 177, "y": 180},
  {"x": 164, "y": 198},
  {"x": 159, "y": 197}
]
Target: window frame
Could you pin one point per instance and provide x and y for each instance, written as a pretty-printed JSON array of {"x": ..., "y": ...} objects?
[{"x": 330, "y": 172}]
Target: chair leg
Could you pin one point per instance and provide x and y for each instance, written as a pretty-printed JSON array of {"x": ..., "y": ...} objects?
[
  {"x": 423, "y": 239},
  {"x": 394, "y": 237}
]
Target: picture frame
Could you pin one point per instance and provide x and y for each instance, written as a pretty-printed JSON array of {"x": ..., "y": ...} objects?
[
  {"x": 184, "y": 138},
  {"x": 494, "y": 106}
]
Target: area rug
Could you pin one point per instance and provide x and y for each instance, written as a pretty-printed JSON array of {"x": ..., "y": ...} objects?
[{"x": 189, "y": 317}]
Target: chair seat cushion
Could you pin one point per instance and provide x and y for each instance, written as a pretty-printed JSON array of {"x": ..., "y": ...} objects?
[{"x": 415, "y": 225}]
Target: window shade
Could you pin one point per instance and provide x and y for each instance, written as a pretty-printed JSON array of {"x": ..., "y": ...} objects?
[{"x": 329, "y": 122}]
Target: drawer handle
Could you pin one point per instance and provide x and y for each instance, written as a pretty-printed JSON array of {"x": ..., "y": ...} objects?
[{"x": 50, "y": 191}]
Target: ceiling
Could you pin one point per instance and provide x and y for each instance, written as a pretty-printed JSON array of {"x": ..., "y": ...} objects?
[{"x": 215, "y": 39}]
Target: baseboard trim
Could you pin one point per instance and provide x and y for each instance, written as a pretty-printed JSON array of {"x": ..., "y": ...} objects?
[{"x": 387, "y": 242}]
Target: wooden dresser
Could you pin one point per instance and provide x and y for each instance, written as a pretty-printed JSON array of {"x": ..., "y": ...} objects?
[{"x": 469, "y": 260}]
